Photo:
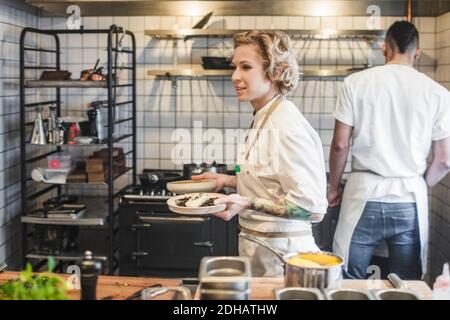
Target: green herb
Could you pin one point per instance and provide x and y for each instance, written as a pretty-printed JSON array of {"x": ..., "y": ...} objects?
[{"x": 29, "y": 286}]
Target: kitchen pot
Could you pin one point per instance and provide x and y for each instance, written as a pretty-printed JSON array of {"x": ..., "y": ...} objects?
[
  {"x": 152, "y": 179},
  {"x": 321, "y": 277},
  {"x": 191, "y": 169}
]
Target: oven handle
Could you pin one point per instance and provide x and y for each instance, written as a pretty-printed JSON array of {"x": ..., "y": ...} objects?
[
  {"x": 207, "y": 244},
  {"x": 173, "y": 219},
  {"x": 136, "y": 226},
  {"x": 135, "y": 255}
]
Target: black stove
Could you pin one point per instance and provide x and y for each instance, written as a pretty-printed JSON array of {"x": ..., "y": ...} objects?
[{"x": 157, "y": 242}]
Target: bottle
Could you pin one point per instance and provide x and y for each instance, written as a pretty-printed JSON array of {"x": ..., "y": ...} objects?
[
  {"x": 441, "y": 287},
  {"x": 60, "y": 132},
  {"x": 90, "y": 269},
  {"x": 52, "y": 125},
  {"x": 92, "y": 115}
]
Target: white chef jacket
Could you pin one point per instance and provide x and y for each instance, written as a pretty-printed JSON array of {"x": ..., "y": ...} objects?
[
  {"x": 396, "y": 112},
  {"x": 285, "y": 162}
]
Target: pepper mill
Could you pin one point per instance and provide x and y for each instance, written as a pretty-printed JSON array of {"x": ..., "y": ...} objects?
[{"x": 90, "y": 269}]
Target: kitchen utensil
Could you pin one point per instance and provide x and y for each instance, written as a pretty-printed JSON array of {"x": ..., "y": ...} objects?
[
  {"x": 346, "y": 294},
  {"x": 298, "y": 294},
  {"x": 224, "y": 295},
  {"x": 55, "y": 75},
  {"x": 395, "y": 294},
  {"x": 321, "y": 277},
  {"x": 396, "y": 281},
  {"x": 216, "y": 63},
  {"x": 194, "y": 169},
  {"x": 96, "y": 64},
  {"x": 151, "y": 179},
  {"x": 225, "y": 273},
  {"x": 38, "y": 174},
  {"x": 191, "y": 186},
  {"x": 52, "y": 133},
  {"x": 59, "y": 200},
  {"x": 38, "y": 136},
  {"x": 179, "y": 293},
  {"x": 174, "y": 207},
  {"x": 200, "y": 24},
  {"x": 58, "y": 176}
]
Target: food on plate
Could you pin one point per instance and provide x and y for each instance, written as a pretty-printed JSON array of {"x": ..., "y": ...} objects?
[
  {"x": 314, "y": 260},
  {"x": 199, "y": 200}
]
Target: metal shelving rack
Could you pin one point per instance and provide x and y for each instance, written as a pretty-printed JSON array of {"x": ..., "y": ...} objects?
[{"x": 104, "y": 214}]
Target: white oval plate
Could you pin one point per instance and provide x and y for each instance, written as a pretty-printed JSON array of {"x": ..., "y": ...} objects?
[
  {"x": 172, "y": 202},
  {"x": 191, "y": 186}
]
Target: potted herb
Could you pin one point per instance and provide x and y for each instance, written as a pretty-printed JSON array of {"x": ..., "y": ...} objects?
[{"x": 29, "y": 286}]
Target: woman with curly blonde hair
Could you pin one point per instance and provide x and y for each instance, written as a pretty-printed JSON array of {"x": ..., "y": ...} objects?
[{"x": 280, "y": 177}]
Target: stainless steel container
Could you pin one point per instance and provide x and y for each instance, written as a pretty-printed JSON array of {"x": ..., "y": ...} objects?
[
  {"x": 308, "y": 277},
  {"x": 395, "y": 294},
  {"x": 298, "y": 294},
  {"x": 179, "y": 293},
  {"x": 206, "y": 294},
  {"x": 347, "y": 294},
  {"x": 225, "y": 273}
]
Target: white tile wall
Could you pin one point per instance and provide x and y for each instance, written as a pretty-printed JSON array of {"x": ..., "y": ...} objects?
[
  {"x": 163, "y": 108},
  {"x": 439, "y": 242},
  {"x": 11, "y": 23}
]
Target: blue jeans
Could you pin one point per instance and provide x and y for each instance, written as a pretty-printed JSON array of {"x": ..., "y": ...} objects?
[{"x": 395, "y": 223}]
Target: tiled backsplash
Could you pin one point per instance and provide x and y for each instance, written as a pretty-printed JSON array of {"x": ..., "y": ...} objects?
[
  {"x": 12, "y": 21},
  {"x": 440, "y": 195},
  {"x": 164, "y": 105}
]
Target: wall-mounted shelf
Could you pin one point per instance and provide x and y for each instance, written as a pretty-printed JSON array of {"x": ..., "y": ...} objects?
[
  {"x": 193, "y": 71},
  {"x": 295, "y": 33}
]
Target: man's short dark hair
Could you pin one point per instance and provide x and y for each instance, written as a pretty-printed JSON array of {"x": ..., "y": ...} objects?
[{"x": 403, "y": 35}]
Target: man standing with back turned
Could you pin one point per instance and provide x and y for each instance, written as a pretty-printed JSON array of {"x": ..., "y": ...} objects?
[{"x": 392, "y": 114}]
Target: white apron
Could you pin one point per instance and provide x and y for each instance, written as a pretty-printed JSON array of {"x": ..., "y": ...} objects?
[
  {"x": 295, "y": 236},
  {"x": 285, "y": 234},
  {"x": 359, "y": 188}
]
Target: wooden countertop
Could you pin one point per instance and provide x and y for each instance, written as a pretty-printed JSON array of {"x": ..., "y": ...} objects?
[
  {"x": 262, "y": 288},
  {"x": 119, "y": 288}
]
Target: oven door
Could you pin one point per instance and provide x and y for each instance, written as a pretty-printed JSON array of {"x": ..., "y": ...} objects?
[{"x": 171, "y": 241}]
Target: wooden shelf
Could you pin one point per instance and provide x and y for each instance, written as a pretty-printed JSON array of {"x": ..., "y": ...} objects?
[
  {"x": 222, "y": 33},
  {"x": 198, "y": 71}
]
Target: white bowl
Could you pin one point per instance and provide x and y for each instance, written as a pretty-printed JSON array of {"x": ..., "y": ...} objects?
[
  {"x": 172, "y": 203},
  {"x": 191, "y": 186}
]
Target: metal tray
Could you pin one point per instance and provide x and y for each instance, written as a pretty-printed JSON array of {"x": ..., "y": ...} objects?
[
  {"x": 394, "y": 294},
  {"x": 347, "y": 294},
  {"x": 227, "y": 273},
  {"x": 298, "y": 294},
  {"x": 206, "y": 294}
]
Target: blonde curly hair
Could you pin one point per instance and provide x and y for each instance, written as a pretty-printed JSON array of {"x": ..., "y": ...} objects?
[{"x": 275, "y": 47}]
